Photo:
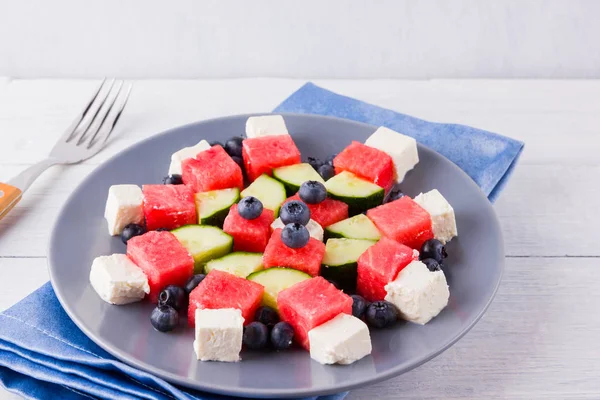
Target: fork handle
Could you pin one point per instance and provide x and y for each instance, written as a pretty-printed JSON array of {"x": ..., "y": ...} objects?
[{"x": 9, "y": 197}]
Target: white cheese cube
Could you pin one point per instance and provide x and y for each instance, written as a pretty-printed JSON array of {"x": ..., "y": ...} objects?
[
  {"x": 402, "y": 149},
  {"x": 342, "y": 340},
  {"x": 117, "y": 280},
  {"x": 185, "y": 153},
  {"x": 267, "y": 125},
  {"x": 418, "y": 293},
  {"x": 313, "y": 227},
  {"x": 219, "y": 334},
  {"x": 124, "y": 206},
  {"x": 442, "y": 215}
]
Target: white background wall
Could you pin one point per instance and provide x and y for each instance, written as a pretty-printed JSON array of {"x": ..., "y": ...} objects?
[{"x": 305, "y": 38}]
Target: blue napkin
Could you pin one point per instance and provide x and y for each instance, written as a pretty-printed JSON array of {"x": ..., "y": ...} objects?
[
  {"x": 44, "y": 355},
  {"x": 486, "y": 157}
]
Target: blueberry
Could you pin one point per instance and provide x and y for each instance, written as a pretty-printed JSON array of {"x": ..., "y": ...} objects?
[
  {"x": 381, "y": 314},
  {"x": 193, "y": 282},
  {"x": 394, "y": 194},
  {"x": 433, "y": 248},
  {"x": 330, "y": 159},
  {"x": 312, "y": 192},
  {"x": 215, "y": 143},
  {"x": 173, "y": 180},
  {"x": 266, "y": 315},
  {"x": 173, "y": 296},
  {"x": 314, "y": 162},
  {"x": 295, "y": 236},
  {"x": 335, "y": 283},
  {"x": 164, "y": 318},
  {"x": 250, "y": 207},
  {"x": 239, "y": 161},
  {"x": 359, "y": 305},
  {"x": 294, "y": 211},
  {"x": 282, "y": 335},
  {"x": 326, "y": 171},
  {"x": 432, "y": 265},
  {"x": 162, "y": 230},
  {"x": 233, "y": 146},
  {"x": 132, "y": 230},
  {"x": 256, "y": 336}
]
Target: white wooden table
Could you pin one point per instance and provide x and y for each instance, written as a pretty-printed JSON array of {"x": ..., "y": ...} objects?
[{"x": 541, "y": 337}]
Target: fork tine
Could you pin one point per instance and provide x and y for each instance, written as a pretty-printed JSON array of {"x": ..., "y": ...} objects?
[
  {"x": 68, "y": 135},
  {"x": 118, "y": 114},
  {"x": 100, "y": 106},
  {"x": 109, "y": 106}
]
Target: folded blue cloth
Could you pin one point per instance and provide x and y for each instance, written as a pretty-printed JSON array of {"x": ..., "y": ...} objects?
[
  {"x": 44, "y": 355},
  {"x": 486, "y": 157}
]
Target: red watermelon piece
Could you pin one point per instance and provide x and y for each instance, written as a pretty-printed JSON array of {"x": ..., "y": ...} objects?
[
  {"x": 162, "y": 258},
  {"x": 306, "y": 259},
  {"x": 366, "y": 162},
  {"x": 212, "y": 169},
  {"x": 310, "y": 303},
  {"x": 168, "y": 206},
  {"x": 249, "y": 234},
  {"x": 327, "y": 212},
  {"x": 380, "y": 265},
  {"x": 404, "y": 221},
  {"x": 262, "y": 154},
  {"x": 224, "y": 290}
]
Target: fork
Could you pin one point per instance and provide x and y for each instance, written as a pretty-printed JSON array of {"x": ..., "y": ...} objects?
[{"x": 86, "y": 136}]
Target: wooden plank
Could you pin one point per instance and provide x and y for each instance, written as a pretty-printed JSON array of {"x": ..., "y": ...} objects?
[
  {"x": 538, "y": 340},
  {"x": 540, "y": 209}
]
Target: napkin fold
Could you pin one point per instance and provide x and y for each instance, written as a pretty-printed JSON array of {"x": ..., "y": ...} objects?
[
  {"x": 44, "y": 355},
  {"x": 488, "y": 158}
]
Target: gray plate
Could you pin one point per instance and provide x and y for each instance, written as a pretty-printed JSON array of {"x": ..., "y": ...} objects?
[{"x": 80, "y": 234}]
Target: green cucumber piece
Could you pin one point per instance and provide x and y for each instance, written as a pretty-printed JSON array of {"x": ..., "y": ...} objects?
[
  {"x": 204, "y": 242},
  {"x": 269, "y": 191},
  {"x": 240, "y": 263},
  {"x": 292, "y": 176},
  {"x": 358, "y": 193},
  {"x": 212, "y": 207},
  {"x": 340, "y": 261},
  {"x": 357, "y": 227},
  {"x": 275, "y": 280}
]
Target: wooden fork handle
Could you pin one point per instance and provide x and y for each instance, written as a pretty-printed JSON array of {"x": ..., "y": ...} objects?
[{"x": 9, "y": 197}]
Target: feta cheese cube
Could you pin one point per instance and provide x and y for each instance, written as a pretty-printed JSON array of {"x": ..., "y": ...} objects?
[
  {"x": 402, "y": 149},
  {"x": 117, "y": 280},
  {"x": 442, "y": 214},
  {"x": 314, "y": 229},
  {"x": 124, "y": 206},
  {"x": 267, "y": 125},
  {"x": 219, "y": 334},
  {"x": 341, "y": 340},
  {"x": 185, "y": 153},
  {"x": 418, "y": 293}
]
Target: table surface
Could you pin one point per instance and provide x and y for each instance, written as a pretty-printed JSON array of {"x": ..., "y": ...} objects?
[{"x": 540, "y": 337}]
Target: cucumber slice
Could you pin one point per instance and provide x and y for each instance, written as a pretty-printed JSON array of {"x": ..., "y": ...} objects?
[
  {"x": 292, "y": 176},
  {"x": 340, "y": 261},
  {"x": 269, "y": 191},
  {"x": 358, "y": 193},
  {"x": 212, "y": 207},
  {"x": 240, "y": 263},
  {"x": 357, "y": 227},
  {"x": 275, "y": 280},
  {"x": 204, "y": 243}
]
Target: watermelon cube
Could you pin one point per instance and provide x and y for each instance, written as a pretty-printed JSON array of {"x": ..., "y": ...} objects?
[
  {"x": 212, "y": 169},
  {"x": 310, "y": 303},
  {"x": 366, "y": 162},
  {"x": 404, "y": 221},
  {"x": 249, "y": 234},
  {"x": 327, "y": 212},
  {"x": 168, "y": 206},
  {"x": 162, "y": 258},
  {"x": 221, "y": 289},
  {"x": 262, "y": 154},
  {"x": 379, "y": 265},
  {"x": 306, "y": 259}
]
